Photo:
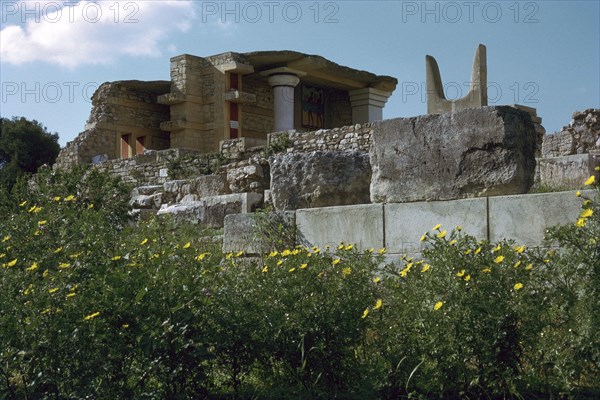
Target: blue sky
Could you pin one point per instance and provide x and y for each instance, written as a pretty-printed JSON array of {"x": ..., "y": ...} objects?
[{"x": 543, "y": 54}]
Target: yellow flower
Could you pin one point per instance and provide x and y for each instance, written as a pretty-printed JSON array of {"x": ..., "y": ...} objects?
[
  {"x": 187, "y": 245},
  {"x": 520, "y": 249},
  {"x": 239, "y": 254},
  {"x": 125, "y": 326},
  {"x": 286, "y": 253},
  {"x": 580, "y": 222},
  {"x": 486, "y": 270},
  {"x": 587, "y": 202},
  {"x": 71, "y": 295},
  {"x": 23, "y": 204},
  {"x": 53, "y": 290},
  {"x": 28, "y": 290},
  {"x": 517, "y": 264},
  {"x": 365, "y": 313},
  {"x": 202, "y": 256},
  {"x": 437, "y": 227},
  {"x": 378, "y": 304},
  {"x": 382, "y": 250},
  {"x": 5, "y": 239},
  {"x": 588, "y": 212},
  {"x": 273, "y": 253},
  {"x": 91, "y": 316},
  {"x": 497, "y": 248},
  {"x": 349, "y": 247},
  {"x": 423, "y": 238},
  {"x": 12, "y": 263},
  {"x": 376, "y": 279},
  {"x": 42, "y": 223},
  {"x": 143, "y": 242},
  {"x": 518, "y": 286},
  {"x": 115, "y": 258},
  {"x": 46, "y": 311},
  {"x": 478, "y": 250},
  {"x": 75, "y": 255},
  {"x": 228, "y": 256},
  {"x": 460, "y": 273},
  {"x": 459, "y": 228},
  {"x": 279, "y": 263},
  {"x": 45, "y": 273},
  {"x": 467, "y": 252},
  {"x": 70, "y": 198},
  {"x": 316, "y": 250},
  {"x": 590, "y": 180},
  {"x": 304, "y": 266},
  {"x": 425, "y": 268},
  {"x": 597, "y": 168},
  {"x": 265, "y": 269},
  {"x": 441, "y": 235},
  {"x": 467, "y": 278},
  {"x": 341, "y": 246},
  {"x": 453, "y": 242},
  {"x": 499, "y": 259},
  {"x": 529, "y": 267},
  {"x": 292, "y": 269},
  {"x": 2, "y": 255},
  {"x": 33, "y": 267},
  {"x": 64, "y": 265},
  {"x": 346, "y": 271},
  {"x": 336, "y": 261},
  {"x": 578, "y": 193},
  {"x": 90, "y": 206},
  {"x": 438, "y": 305},
  {"x": 58, "y": 250},
  {"x": 56, "y": 198}
]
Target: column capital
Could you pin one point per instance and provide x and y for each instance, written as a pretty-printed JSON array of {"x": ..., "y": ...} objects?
[{"x": 283, "y": 80}]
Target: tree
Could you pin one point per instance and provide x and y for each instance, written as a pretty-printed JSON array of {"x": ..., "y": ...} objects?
[{"x": 24, "y": 147}]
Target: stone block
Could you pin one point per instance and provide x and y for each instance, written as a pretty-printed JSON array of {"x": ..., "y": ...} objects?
[
  {"x": 566, "y": 171},
  {"x": 525, "y": 218},
  {"x": 253, "y": 233},
  {"x": 405, "y": 223},
  {"x": 487, "y": 151},
  {"x": 146, "y": 190},
  {"x": 211, "y": 211},
  {"x": 319, "y": 179},
  {"x": 361, "y": 225},
  {"x": 209, "y": 185}
]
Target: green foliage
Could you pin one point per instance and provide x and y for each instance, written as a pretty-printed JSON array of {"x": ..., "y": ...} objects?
[
  {"x": 93, "y": 306},
  {"x": 24, "y": 147}
]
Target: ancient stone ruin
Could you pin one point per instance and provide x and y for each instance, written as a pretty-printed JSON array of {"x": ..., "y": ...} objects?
[{"x": 234, "y": 133}]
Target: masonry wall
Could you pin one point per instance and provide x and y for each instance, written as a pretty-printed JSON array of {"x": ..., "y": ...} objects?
[
  {"x": 198, "y": 106},
  {"x": 257, "y": 118},
  {"x": 126, "y": 107}
]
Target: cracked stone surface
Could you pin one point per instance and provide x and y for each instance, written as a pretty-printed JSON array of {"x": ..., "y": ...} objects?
[{"x": 487, "y": 151}]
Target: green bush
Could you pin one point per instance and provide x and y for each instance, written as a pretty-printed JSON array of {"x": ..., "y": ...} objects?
[{"x": 95, "y": 306}]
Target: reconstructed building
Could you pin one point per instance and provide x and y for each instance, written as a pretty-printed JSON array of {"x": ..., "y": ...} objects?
[{"x": 226, "y": 96}]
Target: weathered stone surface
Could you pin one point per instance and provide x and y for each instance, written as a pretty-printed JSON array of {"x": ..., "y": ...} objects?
[
  {"x": 248, "y": 178},
  {"x": 319, "y": 179},
  {"x": 209, "y": 185},
  {"x": 485, "y": 151},
  {"x": 405, "y": 223},
  {"x": 525, "y": 218},
  {"x": 582, "y": 135},
  {"x": 211, "y": 211},
  {"x": 147, "y": 201},
  {"x": 256, "y": 233},
  {"x": 566, "y": 171},
  {"x": 361, "y": 225}
]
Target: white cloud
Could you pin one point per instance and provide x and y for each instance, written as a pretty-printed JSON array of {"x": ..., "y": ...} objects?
[{"x": 74, "y": 33}]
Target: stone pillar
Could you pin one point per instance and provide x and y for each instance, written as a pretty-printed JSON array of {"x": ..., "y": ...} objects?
[
  {"x": 367, "y": 104},
  {"x": 283, "y": 80},
  {"x": 283, "y": 95}
]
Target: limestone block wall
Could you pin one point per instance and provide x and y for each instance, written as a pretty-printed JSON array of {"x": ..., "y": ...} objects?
[
  {"x": 352, "y": 137},
  {"x": 198, "y": 85},
  {"x": 125, "y": 107},
  {"x": 582, "y": 135},
  {"x": 257, "y": 118},
  {"x": 158, "y": 167}
]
